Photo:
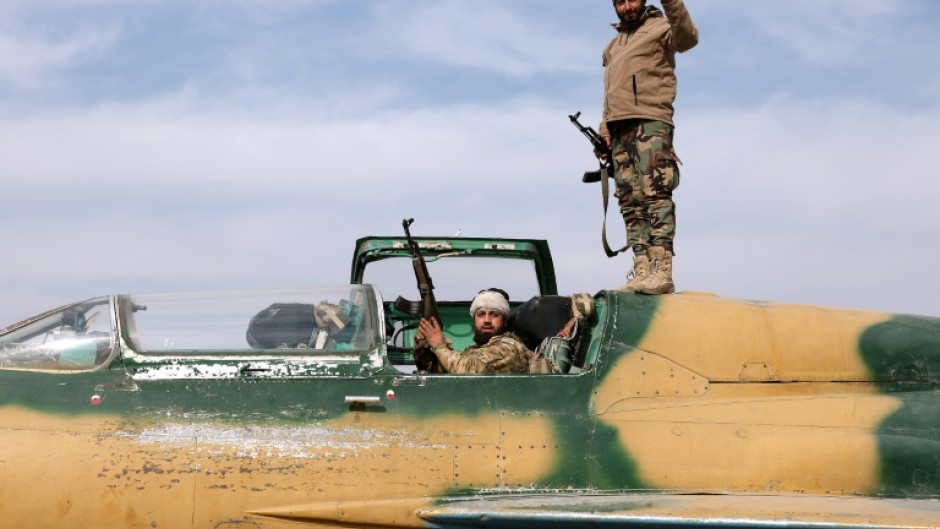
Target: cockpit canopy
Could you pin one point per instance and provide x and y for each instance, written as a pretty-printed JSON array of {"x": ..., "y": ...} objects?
[
  {"x": 292, "y": 321},
  {"x": 282, "y": 322}
]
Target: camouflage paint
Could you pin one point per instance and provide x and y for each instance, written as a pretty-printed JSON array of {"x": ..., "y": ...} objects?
[
  {"x": 904, "y": 354},
  {"x": 719, "y": 395},
  {"x": 258, "y": 443},
  {"x": 189, "y": 467},
  {"x": 689, "y": 393}
]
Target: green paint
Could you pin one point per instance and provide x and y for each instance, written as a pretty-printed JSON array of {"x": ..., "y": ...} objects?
[
  {"x": 628, "y": 319},
  {"x": 903, "y": 355},
  {"x": 573, "y": 439},
  {"x": 611, "y": 466},
  {"x": 61, "y": 394},
  {"x": 596, "y": 458},
  {"x": 904, "y": 348}
]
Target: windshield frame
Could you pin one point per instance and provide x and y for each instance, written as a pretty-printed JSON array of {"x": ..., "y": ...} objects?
[
  {"x": 74, "y": 343},
  {"x": 372, "y": 249}
]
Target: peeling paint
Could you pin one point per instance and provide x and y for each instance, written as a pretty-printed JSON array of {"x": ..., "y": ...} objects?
[
  {"x": 300, "y": 442},
  {"x": 253, "y": 369}
]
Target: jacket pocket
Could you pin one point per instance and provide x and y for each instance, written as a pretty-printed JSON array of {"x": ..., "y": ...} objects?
[{"x": 636, "y": 97}]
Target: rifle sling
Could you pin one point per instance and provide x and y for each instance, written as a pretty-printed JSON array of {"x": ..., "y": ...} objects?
[{"x": 605, "y": 192}]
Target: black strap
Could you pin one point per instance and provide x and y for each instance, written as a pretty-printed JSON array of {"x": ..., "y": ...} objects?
[{"x": 605, "y": 191}]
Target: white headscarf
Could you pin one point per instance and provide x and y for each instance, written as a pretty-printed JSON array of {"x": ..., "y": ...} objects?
[{"x": 490, "y": 300}]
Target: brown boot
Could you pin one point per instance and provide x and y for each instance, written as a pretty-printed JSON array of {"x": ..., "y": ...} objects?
[
  {"x": 659, "y": 281},
  {"x": 641, "y": 270}
]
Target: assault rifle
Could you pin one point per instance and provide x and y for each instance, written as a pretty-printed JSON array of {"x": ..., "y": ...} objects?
[
  {"x": 601, "y": 150},
  {"x": 606, "y": 160},
  {"x": 425, "y": 286},
  {"x": 425, "y": 360}
]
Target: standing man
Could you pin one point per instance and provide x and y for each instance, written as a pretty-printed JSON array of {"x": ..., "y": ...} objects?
[
  {"x": 495, "y": 349},
  {"x": 639, "y": 91}
]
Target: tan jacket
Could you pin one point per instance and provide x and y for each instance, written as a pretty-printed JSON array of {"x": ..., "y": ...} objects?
[{"x": 640, "y": 66}]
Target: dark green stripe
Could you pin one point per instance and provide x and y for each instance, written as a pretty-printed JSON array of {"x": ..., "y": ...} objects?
[
  {"x": 628, "y": 319},
  {"x": 903, "y": 355}
]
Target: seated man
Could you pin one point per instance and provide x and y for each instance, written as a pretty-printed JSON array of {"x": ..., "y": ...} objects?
[{"x": 495, "y": 349}]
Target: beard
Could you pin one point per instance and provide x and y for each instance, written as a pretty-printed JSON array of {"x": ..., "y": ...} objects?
[
  {"x": 631, "y": 24},
  {"x": 481, "y": 337}
]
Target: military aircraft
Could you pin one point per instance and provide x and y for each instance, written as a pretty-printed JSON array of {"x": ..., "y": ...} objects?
[{"x": 194, "y": 410}]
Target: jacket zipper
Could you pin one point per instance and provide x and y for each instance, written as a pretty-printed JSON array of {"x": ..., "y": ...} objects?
[{"x": 636, "y": 99}]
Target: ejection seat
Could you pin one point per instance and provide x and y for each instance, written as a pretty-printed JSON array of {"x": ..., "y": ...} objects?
[{"x": 539, "y": 321}]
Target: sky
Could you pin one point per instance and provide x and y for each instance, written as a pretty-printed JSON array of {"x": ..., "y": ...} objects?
[{"x": 174, "y": 145}]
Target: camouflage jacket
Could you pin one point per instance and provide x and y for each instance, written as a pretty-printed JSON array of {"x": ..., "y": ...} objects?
[
  {"x": 640, "y": 65},
  {"x": 504, "y": 353}
]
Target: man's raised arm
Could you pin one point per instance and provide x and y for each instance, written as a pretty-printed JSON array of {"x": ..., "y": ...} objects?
[{"x": 684, "y": 34}]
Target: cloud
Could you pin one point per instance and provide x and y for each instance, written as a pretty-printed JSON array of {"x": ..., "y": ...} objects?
[
  {"x": 791, "y": 201},
  {"x": 824, "y": 31},
  {"x": 822, "y": 162},
  {"x": 812, "y": 202},
  {"x": 220, "y": 180},
  {"x": 173, "y": 143},
  {"x": 31, "y": 60},
  {"x": 486, "y": 36},
  {"x": 20, "y": 7},
  {"x": 248, "y": 54},
  {"x": 139, "y": 195}
]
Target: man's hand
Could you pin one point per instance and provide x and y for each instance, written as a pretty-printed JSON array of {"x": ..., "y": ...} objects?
[
  {"x": 565, "y": 332},
  {"x": 603, "y": 155},
  {"x": 431, "y": 332}
]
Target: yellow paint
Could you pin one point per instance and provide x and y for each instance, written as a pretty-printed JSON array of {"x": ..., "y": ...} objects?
[
  {"x": 399, "y": 512},
  {"x": 643, "y": 375},
  {"x": 68, "y": 477},
  {"x": 719, "y": 339},
  {"x": 106, "y": 473},
  {"x": 527, "y": 453},
  {"x": 699, "y": 406},
  {"x": 757, "y": 437}
]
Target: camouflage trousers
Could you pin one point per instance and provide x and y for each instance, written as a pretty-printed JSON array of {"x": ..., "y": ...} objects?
[{"x": 646, "y": 172}]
